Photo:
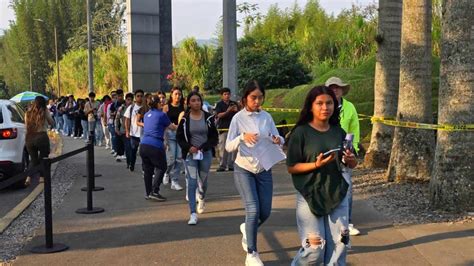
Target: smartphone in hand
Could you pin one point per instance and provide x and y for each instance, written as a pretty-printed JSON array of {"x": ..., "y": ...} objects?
[{"x": 331, "y": 151}]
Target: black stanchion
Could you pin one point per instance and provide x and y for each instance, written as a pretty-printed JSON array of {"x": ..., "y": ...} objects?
[
  {"x": 90, "y": 183},
  {"x": 94, "y": 188},
  {"x": 49, "y": 247}
]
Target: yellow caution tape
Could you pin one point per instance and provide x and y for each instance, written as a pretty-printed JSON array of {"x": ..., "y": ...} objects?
[
  {"x": 277, "y": 126},
  {"x": 444, "y": 127},
  {"x": 288, "y": 110},
  {"x": 390, "y": 121}
]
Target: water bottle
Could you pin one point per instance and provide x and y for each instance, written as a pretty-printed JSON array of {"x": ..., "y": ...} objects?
[{"x": 348, "y": 142}]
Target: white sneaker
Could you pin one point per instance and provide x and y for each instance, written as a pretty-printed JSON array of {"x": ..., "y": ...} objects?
[
  {"x": 112, "y": 152},
  {"x": 253, "y": 259},
  {"x": 193, "y": 219},
  {"x": 123, "y": 157},
  {"x": 244, "y": 237},
  {"x": 353, "y": 231},
  {"x": 166, "y": 179},
  {"x": 175, "y": 186},
  {"x": 201, "y": 206}
]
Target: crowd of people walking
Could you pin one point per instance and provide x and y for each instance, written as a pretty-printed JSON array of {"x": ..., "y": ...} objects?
[{"x": 179, "y": 136}]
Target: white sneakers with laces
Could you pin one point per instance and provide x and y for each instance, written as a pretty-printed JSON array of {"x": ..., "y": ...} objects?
[
  {"x": 253, "y": 259},
  {"x": 193, "y": 219},
  {"x": 166, "y": 179},
  {"x": 201, "y": 205},
  {"x": 175, "y": 186},
  {"x": 244, "y": 238},
  {"x": 353, "y": 231}
]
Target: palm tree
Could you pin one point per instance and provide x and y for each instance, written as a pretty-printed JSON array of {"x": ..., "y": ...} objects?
[
  {"x": 413, "y": 149},
  {"x": 452, "y": 185},
  {"x": 387, "y": 73}
]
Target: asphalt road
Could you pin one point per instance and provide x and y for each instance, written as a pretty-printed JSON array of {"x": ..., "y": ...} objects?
[{"x": 10, "y": 197}]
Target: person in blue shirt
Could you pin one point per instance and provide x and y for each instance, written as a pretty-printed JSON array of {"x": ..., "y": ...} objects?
[{"x": 152, "y": 149}]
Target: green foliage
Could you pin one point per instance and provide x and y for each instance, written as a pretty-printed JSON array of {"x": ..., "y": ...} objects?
[
  {"x": 273, "y": 65},
  {"x": 110, "y": 71},
  {"x": 29, "y": 42},
  {"x": 106, "y": 23},
  {"x": 191, "y": 62},
  {"x": 341, "y": 41}
]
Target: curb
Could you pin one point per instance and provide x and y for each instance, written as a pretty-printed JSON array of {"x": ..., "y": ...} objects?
[{"x": 6, "y": 220}]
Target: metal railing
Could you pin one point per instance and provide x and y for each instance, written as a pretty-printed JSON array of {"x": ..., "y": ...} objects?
[{"x": 45, "y": 168}]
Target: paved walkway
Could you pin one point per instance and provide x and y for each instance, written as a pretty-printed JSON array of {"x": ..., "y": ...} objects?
[{"x": 133, "y": 231}]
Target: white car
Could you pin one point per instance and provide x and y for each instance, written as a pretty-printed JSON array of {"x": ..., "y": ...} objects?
[{"x": 14, "y": 158}]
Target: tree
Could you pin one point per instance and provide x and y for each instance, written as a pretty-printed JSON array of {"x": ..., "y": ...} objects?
[
  {"x": 192, "y": 62},
  {"x": 413, "y": 149},
  {"x": 272, "y": 64},
  {"x": 451, "y": 186},
  {"x": 387, "y": 74}
]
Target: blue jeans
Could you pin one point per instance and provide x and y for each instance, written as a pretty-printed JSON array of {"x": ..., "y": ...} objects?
[
  {"x": 196, "y": 174},
  {"x": 173, "y": 156},
  {"x": 85, "y": 130},
  {"x": 256, "y": 191},
  {"x": 347, "y": 174},
  {"x": 99, "y": 133},
  {"x": 329, "y": 228},
  {"x": 59, "y": 122},
  {"x": 128, "y": 148},
  {"x": 68, "y": 125},
  {"x": 134, "y": 144},
  {"x": 113, "y": 136}
]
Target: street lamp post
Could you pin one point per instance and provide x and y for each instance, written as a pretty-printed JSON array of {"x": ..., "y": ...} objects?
[
  {"x": 57, "y": 57},
  {"x": 57, "y": 60},
  {"x": 89, "y": 48},
  {"x": 31, "y": 78}
]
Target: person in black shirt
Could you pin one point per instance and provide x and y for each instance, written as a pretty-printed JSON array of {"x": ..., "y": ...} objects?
[
  {"x": 225, "y": 110},
  {"x": 174, "y": 159}
]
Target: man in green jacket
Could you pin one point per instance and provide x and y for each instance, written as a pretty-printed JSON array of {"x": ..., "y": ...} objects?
[{"x": 350, "y": 123}]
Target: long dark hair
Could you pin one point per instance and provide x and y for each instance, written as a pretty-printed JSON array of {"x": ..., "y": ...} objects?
[
  {"x": 306, "y": 115},
  {"x": 181, "y": 101},
  {"x": 191, "y": 94},
  {"x": 36, "y": 115},
  {"x": 249, "y": 87}
]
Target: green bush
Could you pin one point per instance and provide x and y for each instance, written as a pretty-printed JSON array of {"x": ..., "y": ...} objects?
[{"x": 273, "y": 65}]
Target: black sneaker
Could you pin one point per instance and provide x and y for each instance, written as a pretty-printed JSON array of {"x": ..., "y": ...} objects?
[
  {"x": 131, "y": 168},
  {"x": 220, "y": 169},
  {"x": 231, "y": 169},
  {"x": 156, "y": 196}
]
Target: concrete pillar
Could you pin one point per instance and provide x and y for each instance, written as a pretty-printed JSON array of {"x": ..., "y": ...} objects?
[
  {"x": 230, "y": 47},
  {"x": 148, "y": 43},
  {"x": 166, "y": 43}
]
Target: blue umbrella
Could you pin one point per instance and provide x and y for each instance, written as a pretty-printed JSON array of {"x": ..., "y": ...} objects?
[{"x": 26, "y": 96}]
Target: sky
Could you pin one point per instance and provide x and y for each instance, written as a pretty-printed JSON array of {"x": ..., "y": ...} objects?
[{"x": 198, "y": 18}]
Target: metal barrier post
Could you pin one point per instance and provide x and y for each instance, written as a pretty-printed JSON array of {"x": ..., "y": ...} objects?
[
  {"x": 91, "y": 166},
  {"x": 92, "y": 140},
  {"x": 90, "y": 183},
  {"x": 50, "y": 247}
]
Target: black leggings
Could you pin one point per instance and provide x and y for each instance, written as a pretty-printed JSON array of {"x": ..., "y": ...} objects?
[
  {"x": 152, "y": 158},
  {"x": 37, "y": 145}
]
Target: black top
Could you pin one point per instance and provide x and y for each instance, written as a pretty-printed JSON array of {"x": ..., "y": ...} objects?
[
  {"x": 324, "y": 188},
  {"x": 173, "y": 113},
  {"x": 221, "y": 107}
]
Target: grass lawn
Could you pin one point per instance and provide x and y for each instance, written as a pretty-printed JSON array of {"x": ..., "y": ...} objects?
[{"x": 361, "y": 79}]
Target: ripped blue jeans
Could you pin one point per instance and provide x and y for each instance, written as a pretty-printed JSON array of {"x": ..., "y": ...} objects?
[{"x": 330, "y": 229}]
